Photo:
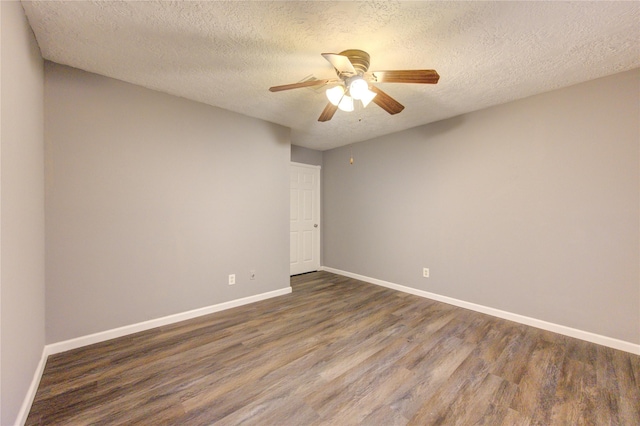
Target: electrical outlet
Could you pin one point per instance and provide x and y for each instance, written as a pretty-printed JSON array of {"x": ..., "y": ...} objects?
[
  {"x": 252, "y": 274},
  {"x": 425, "y": 272},
  {"x": 232, "y": 279}
]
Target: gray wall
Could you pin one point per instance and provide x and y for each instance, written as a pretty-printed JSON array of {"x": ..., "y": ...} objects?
[
  {"x": 530, "y": 207},
  {"x": 306, "y": 156},
  {"x": 152, "y": 201},
  {"x": 22, "y": 209}
]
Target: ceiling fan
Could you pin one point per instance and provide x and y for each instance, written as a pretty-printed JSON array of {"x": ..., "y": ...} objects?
[{"x": 354, "y": 83}]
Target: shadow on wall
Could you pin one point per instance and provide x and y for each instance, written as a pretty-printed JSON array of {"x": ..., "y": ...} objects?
[{"x": 440, "y": 127}]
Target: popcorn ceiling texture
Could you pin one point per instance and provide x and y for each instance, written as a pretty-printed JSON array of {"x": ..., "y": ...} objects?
[{"x": 227, "y": 54}]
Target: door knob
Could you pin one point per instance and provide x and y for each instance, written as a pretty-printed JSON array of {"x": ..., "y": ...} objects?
[{"x": 315, "y": 225}]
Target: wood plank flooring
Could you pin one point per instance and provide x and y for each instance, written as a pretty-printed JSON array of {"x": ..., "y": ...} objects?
[{"x": 338, "y": 352}]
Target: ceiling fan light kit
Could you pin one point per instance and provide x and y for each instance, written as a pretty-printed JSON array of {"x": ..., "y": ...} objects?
[
  {"x": 358, "y": 88},
  {"x": 367, "y": 97},
  {"x": 346, "y": 104},
  {"x": 354, "y": 83},
  {"x": 335, "y": 94}
]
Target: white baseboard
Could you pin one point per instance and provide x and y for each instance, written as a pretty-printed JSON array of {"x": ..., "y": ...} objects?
[
  {"x": 556, "y": 328},
  {"x": 31, "y": 392},
  {"x": 102, "y": 336}
]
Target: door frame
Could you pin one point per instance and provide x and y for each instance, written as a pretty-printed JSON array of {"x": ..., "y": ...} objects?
[{"x": 318, "y": 209}]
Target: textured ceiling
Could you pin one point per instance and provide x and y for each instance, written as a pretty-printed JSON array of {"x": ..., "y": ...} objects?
[{"x": 228, "y": 54}]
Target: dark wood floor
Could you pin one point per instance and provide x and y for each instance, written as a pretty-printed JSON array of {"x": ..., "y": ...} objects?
[{"x": 337, "y": 352}]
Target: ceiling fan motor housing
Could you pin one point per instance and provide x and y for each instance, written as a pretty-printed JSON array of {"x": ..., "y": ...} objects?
[{"x": 358, "y": 58}]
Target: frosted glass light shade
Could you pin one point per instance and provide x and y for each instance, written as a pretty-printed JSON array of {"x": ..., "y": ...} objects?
[
  {"x": 335, "y": 94},
  {"x": 346, "y": 104},
  {"x": 367, "y": 97},
  {"x": 358, "y": 88}
]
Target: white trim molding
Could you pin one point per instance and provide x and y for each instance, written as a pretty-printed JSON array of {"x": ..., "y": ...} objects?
[
  {"x": 31, "y": 392},
  {"x": 102, "y": 336},
  {"x": 533, "y": 322},
  {"x": 311, "y": 166}
]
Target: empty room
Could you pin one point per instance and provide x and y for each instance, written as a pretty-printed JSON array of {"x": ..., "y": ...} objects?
[{"x": 319, "y": 212}]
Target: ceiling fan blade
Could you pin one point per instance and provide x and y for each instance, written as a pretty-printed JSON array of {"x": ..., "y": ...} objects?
[
  {"x": 308, "y": 83},
  {"x": 404, "y": 76},
  {"x": 327, "y": 113},
  {"x": 340, "y": 63},
  {"x": 386, "y": 102}
]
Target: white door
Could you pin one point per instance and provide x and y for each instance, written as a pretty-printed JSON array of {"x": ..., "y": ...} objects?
[{"x": 305, "y": 218}]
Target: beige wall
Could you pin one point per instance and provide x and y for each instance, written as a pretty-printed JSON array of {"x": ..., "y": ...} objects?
[
  {"x": 531, "y": 207},
  {"x": 152, "y": 201},
  {"x": 22, "y": 209}
]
